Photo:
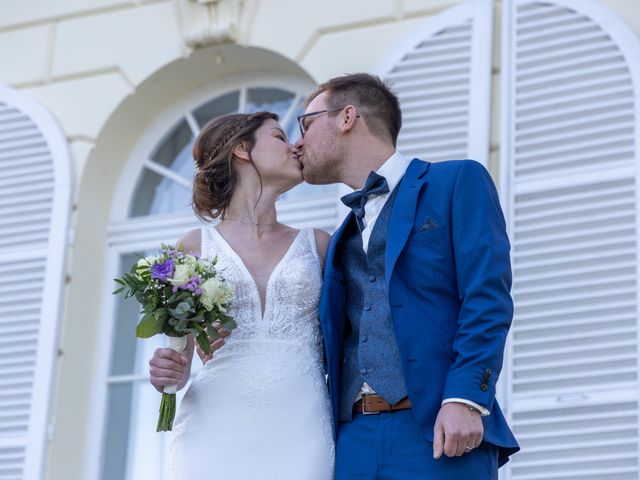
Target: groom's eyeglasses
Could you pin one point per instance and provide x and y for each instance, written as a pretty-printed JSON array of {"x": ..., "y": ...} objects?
[{"x": 301, "y": 122}]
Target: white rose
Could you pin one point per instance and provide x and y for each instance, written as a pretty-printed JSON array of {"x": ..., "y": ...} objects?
[
  {"x": 181, "y": 274},
  {"x": 215, "y": 292},
  {"x": 145, "y": 262},
  {"x": 191, "y": 261}
]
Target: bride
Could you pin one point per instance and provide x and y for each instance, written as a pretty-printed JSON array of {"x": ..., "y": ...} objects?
[{"x": 259, "y": 407}]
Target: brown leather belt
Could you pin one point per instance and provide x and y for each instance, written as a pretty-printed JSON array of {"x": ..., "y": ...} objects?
[{"x": 370, "y": 404}]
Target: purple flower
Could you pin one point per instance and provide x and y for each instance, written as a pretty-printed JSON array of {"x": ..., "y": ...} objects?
[
  {"x": 192, "y": 285},
  {"x": 174, "y": 253},
  {"x": 162, "y": 271}
]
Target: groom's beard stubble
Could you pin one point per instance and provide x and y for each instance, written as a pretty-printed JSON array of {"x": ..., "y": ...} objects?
[{"x": 323, "y": 166}]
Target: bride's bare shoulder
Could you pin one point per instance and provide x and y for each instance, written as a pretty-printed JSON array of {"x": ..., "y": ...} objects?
[{"x": 191, "y": 241}]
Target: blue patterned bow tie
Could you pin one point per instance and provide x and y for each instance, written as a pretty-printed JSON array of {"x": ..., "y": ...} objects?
[{"x": 375, "y": 185}]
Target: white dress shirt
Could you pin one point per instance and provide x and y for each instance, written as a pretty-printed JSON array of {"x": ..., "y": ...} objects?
[{"x": 392, "y": 170}]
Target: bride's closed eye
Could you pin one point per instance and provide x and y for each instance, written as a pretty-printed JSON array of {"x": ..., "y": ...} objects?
[{"x": 279, "y": 133}]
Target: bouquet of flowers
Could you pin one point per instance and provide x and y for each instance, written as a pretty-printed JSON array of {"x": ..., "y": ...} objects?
[{"x": 179, "y": 294}]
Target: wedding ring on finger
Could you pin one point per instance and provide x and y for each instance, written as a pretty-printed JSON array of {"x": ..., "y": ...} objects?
[{"x": 468, "y": 448}]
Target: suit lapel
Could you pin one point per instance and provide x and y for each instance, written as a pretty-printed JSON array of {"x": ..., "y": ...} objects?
[
  {"x": 330, "y": 304},
  {"x": 403, "y": 213},
  {"x": 400, "y": 225},
  {"x": 332, "y": 266}
]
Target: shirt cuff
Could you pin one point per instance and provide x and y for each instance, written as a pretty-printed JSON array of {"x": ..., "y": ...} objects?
[{"x": 483, "y": 411}]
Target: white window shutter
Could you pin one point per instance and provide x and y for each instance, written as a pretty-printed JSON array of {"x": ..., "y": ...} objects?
[
  {"x": 569, "y": 156},
  {"x": 442, "y": 75},
  {"x": 317, "y": 211},
  {"x": 35, "y": 192}
]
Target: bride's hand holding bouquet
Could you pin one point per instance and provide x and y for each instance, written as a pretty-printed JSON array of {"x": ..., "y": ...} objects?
[{"x": 180, "y": 295}]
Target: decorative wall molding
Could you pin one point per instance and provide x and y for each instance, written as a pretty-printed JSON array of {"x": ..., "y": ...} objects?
[{"x": 210, "y": 22}]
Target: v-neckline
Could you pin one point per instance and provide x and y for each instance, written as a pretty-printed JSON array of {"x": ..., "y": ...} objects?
[{"x": 262, "y": 308}]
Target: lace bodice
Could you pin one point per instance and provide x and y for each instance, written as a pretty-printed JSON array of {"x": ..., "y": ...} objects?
[{"x": 291, "y": 296}]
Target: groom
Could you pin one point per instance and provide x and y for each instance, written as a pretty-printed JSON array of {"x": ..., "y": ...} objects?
[{"x": 416, "y": 306}]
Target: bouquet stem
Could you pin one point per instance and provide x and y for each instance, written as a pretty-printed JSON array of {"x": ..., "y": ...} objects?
[{"x": 168, "y": 402}]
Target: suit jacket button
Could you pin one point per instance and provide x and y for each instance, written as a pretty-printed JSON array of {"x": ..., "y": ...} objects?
[
  {"x": 487, "y": 371},
  {"x": 484, "y": 387}
]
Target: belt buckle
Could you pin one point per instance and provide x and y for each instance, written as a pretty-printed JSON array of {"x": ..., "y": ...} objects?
[{"x": 364, "y": 412}]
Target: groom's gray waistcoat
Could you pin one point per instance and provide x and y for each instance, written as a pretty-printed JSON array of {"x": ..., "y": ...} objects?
[{"x": 370, "y": 350}]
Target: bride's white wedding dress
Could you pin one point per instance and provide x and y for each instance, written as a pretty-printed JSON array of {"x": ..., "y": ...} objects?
[{"x": 260, "y": 409}]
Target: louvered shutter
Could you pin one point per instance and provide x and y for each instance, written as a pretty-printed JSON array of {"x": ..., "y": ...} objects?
[
  {"x": 570, "y": 159},
  {"x": 442, "y": 75},
  {"x": 34, "y": 210},
  {"x": 319, "y": 211}
]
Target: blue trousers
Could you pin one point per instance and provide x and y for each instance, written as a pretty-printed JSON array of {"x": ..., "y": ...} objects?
[{"x": 389, "y": 446}]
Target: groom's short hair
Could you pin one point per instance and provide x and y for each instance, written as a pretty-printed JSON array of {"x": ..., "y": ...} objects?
[{"x": 379, "y": 106}]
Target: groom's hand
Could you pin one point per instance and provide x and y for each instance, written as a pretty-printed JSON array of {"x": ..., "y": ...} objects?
[
  {"x": 457, "y": 431},
  {"x": 215, "y": 344}
]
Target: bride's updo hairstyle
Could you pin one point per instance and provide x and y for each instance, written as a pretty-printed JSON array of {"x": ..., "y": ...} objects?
[{"x": 215, "y": 179}]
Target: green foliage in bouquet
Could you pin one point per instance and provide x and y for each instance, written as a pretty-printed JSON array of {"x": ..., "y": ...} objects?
[{"x": 180, "y": 294}]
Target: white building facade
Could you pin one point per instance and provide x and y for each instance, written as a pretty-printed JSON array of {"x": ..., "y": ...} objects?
[{"x": 100, "y": 101}]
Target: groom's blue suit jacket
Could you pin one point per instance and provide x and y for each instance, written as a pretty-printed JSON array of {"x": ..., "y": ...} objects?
[{"x": 448, "y": 279}]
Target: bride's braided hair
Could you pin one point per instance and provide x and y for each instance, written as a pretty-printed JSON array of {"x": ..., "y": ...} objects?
[{"x": 215, "y": 179}]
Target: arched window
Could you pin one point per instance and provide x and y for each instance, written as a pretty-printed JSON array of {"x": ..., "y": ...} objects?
[{"x": 152, "y": 205}]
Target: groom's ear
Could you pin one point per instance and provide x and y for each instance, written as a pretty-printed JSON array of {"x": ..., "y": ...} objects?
[
  {"x": 348, "y": 118},
  {"x": 241, "y": 151}
]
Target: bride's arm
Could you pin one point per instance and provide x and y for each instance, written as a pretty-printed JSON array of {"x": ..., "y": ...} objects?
[
  {"x": 191, "y": 241},
  {"x": 322, "y": 242}
]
